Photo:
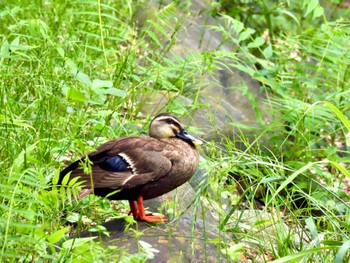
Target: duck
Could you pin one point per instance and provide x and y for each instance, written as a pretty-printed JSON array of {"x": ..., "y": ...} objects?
[{"x": 137, "y": 168}]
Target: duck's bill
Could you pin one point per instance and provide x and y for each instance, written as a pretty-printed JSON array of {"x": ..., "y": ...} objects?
[{"x": 183, "y": 134}]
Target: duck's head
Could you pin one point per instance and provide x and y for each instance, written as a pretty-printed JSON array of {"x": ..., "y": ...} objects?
[{"x": 166, "y": 125}]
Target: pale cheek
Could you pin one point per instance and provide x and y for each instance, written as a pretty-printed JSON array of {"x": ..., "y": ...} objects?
[{"x": 166, "y": 132}]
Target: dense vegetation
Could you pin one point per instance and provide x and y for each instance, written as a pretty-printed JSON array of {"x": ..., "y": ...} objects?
[{"x": 77, "y": 73}]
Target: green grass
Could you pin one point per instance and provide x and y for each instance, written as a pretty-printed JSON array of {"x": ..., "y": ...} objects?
[{"x": 77, "y": 73}]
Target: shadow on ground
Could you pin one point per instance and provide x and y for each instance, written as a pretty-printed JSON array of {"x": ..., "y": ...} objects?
[{"x": 191, "y": 237}]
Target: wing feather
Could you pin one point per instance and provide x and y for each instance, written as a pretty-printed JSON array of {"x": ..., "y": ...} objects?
[{"x": 145, "y": 158}]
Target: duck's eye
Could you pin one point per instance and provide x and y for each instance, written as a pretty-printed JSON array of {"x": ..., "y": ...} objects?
[{"x": 170, "y": 121}]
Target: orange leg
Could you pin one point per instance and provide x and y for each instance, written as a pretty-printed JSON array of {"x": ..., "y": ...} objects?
[
  {"x": 133, "y": 209},
  {"x": 139, "y": 212}
]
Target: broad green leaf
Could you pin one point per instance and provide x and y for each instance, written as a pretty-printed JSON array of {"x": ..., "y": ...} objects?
[
  {"x": 74, "y": 94},
  {"x": 268, "y": 52},
  {"x": 148, "y": 249},
  {"x": 73, "y": 217},
  {"x": 319, "y": 11},
  {"x": 259, "y": 41},
  {"x": 76, "y": 242},
  {"x": 15, "y": 44},
  {"x": 5, "y": 50},
  {"x": 116, "y": 92},
  {"x": 311, "y": 5},
  {"x": 82, "y": 77},
  {"x": 246, "y": 34},
  {"x": 73, "y": 181},
  {"x": 99, "y": 83},
  {"x": 65, "y": 179},
  {"x": 57, "y": 235},
  {"x": 21, "y": 157}
]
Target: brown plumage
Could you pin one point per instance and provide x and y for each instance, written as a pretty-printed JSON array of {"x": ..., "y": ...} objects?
[{"x": 140, "y": 167}]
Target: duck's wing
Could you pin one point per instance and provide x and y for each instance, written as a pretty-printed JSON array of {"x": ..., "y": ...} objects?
[{"x": 122, "y": 164}]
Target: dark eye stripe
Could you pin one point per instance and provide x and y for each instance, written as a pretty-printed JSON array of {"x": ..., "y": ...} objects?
[
  {"x": 175, "y": 123},
  {"x": 170, "y": 120}
]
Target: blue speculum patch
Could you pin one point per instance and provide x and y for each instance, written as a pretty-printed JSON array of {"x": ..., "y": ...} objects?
[{"x": 114, "y": 164}]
